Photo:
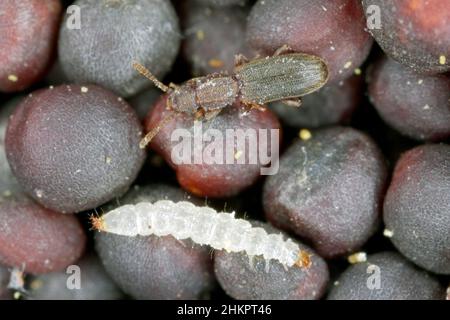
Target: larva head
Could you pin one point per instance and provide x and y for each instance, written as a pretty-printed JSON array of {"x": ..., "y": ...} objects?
[
  {"x": 120, "y": 221},
  {"x": 97, "y": 222},
  {"x": 304, "y": 259}
]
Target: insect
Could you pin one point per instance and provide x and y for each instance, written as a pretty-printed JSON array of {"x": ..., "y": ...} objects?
[
  {"x": 284, "y": 76},
  {"x": 205, "y": 226}
]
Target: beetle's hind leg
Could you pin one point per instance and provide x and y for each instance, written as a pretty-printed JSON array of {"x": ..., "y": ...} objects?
[
  {"x": 283, "y": 50},
  {"x": 254, "y": 105},
  {"x": 240, "y": 59},
  {"x": 293, "y": 102}
]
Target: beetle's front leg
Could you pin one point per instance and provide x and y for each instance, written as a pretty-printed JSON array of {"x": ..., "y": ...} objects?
[{"x": 199, "y": 114}]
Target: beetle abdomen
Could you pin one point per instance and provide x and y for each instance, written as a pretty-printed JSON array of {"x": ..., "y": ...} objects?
[{"x": 281, "y": 77}]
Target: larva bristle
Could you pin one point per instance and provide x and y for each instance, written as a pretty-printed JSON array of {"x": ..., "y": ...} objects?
[
  {"x": 304, "y": 259},
  {"x": 98, "y": 223}
]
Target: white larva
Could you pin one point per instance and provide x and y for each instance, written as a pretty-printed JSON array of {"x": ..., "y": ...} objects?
[{"x": 205, "y": 226}]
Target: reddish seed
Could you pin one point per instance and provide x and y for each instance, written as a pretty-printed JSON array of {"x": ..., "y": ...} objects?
[
  {"x": 415, "y": 33},
  {"x": 37, "y": 239},
  {"x": 28, "y": 32},
  {"x": 416, "y": 105},
  {"x": 212, "y": 180},
  {"x": 333, "y": 30}
]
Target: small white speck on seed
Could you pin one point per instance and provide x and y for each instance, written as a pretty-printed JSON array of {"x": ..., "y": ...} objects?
[
  {"x": 358, "y": 71},
  {"x": 39, "y": 193},
  {"x": 336, "y": 283},
  {"x": 119, "y": 99},
  {"x": 388, "y": 233},
  {"x": 442, "y": 60},
  {"x": 84, "y": 89},
  {"x": 420, "y": 81},
  {"x": 51, "y": 87},
  {"x": 13, "y": 78},
  {"x": 108, "y": 160},
  {"x": 426, "y": 107},
  {"x": 238, "y": 154},
  {"x": 348, "y": 64},
  {"x": 357, "y": 257}
]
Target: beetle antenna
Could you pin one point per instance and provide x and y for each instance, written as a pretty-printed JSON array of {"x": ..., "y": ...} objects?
[
  {"x": 152, "y": 133},
  {"x": 146, "y": 73}
]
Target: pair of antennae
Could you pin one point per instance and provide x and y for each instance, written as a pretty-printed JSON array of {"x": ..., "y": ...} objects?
[{"x": 152, "y": 133}]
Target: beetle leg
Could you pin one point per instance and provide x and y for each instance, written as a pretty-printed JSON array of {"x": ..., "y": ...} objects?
[
  {"x": 240, "y": 59},
  {"x": 173, "y": 85},
  {"x": 199, "y": 114},
  {"x": 293, "y": 102},
  {"x": 282, "y": 50},
  {"x": 254, "y": 105},
  {"x": 210, "y": 114}
]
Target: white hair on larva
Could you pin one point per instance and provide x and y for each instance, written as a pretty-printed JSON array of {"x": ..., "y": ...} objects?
[{"x": 205, "y": 226}]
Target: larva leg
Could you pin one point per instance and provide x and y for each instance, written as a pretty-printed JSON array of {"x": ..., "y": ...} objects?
[
  {"x": 294, "y": 102},
  {"x": 267, "y": 266}
]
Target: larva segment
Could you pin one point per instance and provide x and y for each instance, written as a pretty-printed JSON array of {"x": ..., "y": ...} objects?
[
  {"x": 281, "y": 77},
  {"x": 205, "y": 226}
]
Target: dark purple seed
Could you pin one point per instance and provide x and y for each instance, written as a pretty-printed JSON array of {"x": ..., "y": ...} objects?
[
  {"x": 156, "y": 267},
  {"x": 94, "y": 283},
  {"x": 242, "y": 280},
  {"x": 385, "y": 276},
  {"x": 328, "y": 190},
  {"x": 74, "y": 148},
  {"x": 5, "y": 293},
  {"x": 332, "y": 30},
  {"x": 112, "y": 35},
  {"x": 417, "y": 207},
  {"x": 333, "y": 104},
  {"x": 213, "y": 38},
  {"x": 143, "y": 102},
  {"x": 222, "y": 3},
  {"x": 416, "y": 105}
]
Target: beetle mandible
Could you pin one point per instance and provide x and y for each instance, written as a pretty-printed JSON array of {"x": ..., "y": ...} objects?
[{"x": 283, "y": 76}]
